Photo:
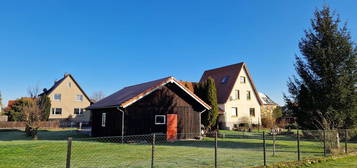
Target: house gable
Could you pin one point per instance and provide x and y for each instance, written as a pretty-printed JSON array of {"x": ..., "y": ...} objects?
[
  {"x": 243, "y": 89},
  {"x": 71, "y": 97},
  {"x": 226, "y": 78}
]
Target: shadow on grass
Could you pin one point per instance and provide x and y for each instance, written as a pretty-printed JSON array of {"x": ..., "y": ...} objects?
[{"x": 13, "y": 135}]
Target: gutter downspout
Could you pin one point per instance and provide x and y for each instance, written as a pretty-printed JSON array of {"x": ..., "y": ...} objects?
[
  {"x": 200, "y": 123},
  {"x": 122, "y": 123}
]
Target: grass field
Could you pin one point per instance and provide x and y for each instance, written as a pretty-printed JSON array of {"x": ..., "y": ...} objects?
[
  {"x": 345, "y": 162},
  {"x": 235, "y": 150}
]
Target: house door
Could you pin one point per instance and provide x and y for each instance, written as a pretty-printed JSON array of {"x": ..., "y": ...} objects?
[{"x": 171, "y": 127}]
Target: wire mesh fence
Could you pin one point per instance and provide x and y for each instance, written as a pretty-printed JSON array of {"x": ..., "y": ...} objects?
[{"x": 217, "y": 149}]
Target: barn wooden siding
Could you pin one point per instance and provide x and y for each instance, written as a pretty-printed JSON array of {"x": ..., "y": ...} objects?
[{"x": 140, "y": 116}]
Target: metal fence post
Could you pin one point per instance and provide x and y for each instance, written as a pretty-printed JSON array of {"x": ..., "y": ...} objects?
[
  {"x": 264, "y": 150},
  {"x": 346, "y": 137},
  {"x": 69, "y": 151},
  {"x": 153, "y": 150},
  {"x": 324, "y": 132},
  {"x": 273, "y": 143},
  {"x": 298, "y": 145},
  {"x": 215, "y": 149}
]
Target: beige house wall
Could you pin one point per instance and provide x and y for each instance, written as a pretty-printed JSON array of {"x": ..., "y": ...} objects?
[
  {"x": 242, "y": 104},
  {"x": 69, "y": 90}
]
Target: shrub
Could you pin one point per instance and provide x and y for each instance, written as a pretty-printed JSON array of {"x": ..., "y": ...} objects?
[{"x": 268, "y": 122}]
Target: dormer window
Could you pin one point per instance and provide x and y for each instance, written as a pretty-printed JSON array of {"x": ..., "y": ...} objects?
[
  {"x": 242, "y": 79},
  {"x": 57, "y": 97},
  {"x": 224, "y": 80}
]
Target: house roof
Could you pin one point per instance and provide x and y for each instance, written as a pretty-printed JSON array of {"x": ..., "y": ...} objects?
[
  {"x": 225, "y": 78},
  {"x": 57, "y": 83},
  {"x": 266, "y": 99},
  {"x": 129, "y": 95}
]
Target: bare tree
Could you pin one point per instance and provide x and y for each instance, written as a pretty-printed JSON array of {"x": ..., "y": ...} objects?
[
  {"x": 33, "y": 91},
  {"x": 98, "y": 95},
  {"x": 32, "y": 115}
]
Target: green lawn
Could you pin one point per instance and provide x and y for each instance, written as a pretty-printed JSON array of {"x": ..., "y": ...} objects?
[
  {"x": 235, "y": 150},
  {"x": 345, "y": 162}
]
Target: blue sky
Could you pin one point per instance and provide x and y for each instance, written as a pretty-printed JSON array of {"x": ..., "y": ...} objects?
[{"x": 107, "y": 45}]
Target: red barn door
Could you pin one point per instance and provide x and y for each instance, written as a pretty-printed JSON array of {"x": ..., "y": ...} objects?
[{"x": 171, "y": 133}]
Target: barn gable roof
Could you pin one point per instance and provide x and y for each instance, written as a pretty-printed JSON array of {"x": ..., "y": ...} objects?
[
  {"x": 129, "y": 95},
  {"x": 225, "y": 78}
]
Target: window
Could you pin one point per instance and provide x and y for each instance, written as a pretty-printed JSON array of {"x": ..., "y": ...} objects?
[
  {"x": 57, "y": 97},
  {"x": 160, "y": 119},
  {"x": 242, "y": 79},
  {"x": 79, "y": 97},
  {"x": 78, "y": 111},
  {"x": 224, "y": 80},
  {"x": 104, "y": 117},
  {"x": 56, "y": 111},
  {"x": 248, "y": 95},
  {"x": 236, "y": 94},
  {"x": 252, "y": 112},
  {"x": 69, "y": 84},
  {"x": 234, "y": 111}
]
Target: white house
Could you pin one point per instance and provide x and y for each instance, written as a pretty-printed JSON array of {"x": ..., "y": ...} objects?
[{"x": 238, "y": 99}]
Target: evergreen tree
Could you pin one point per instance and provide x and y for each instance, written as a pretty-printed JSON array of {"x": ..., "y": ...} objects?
[
  {"x": 324, "y": 94},
  {"x": 0, "y": 104},
  {"x": 44, "y": 104},
  {"x": 207, "y": 92}
]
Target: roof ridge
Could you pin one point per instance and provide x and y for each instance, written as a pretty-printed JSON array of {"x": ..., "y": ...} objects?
[
  {"x": 148, "y": 82},
  {"x": 224, "y": 67}
]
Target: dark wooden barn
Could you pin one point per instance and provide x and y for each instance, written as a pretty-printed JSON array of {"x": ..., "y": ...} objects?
[{"x": 160, "y": 106}]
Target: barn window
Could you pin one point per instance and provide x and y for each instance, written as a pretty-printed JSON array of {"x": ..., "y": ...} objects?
[
  {"x": 160, "y": 119},
  {"x": 104, "y": 117}
]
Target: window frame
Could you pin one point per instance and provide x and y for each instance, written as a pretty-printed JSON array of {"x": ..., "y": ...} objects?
[
  {"x": 104, "y": 119},
  {"x": 249, "y": 96},
  {"x": 80, "y": 111},
  {"x": 236, "y": 112},
  {"x": 81, "y": 97},
  {"x": 157, "y": 123},
  {"x": 60, "y": 97},
  {"x": 250, "y": 112},
  {"x": 54, "y": 111},
  {"x": 244, "y": 79},
  {"x": 236, "y": 94}
]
